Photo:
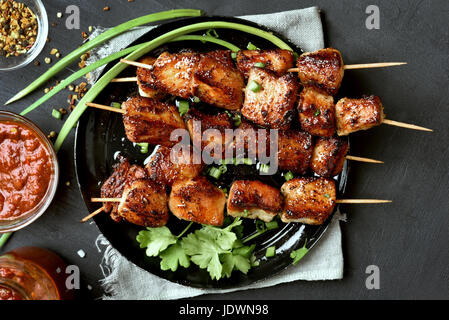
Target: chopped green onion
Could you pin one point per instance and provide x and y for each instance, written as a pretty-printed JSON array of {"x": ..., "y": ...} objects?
[
  {"x": 251, "y": 46},
  {"x": 196, "y": 99},
  {"x": 317, "y": 112},
  {"x": 288, "y": 176},
  {"x": 228, "y": 161},
  {"x": 75, "y": 54},
  {"x": 56, "y": 114},
  {"x": 265, "y": 168},
  {"x": 223, "y": 168},
  {"x": 272, "y": 225},
  {"x": 326, "y": 195},
  {"x": 212, "y": 33},
  {"x": 183, "y": 107},
  {"x": 271, "y": 252},
  {"x": 151, "y": 45},
  {"x": 215, "y": 172},
  {"x": 237, "y": 119},
  {"x": 143, "y": 147},
  {"x": 295, "y": 55},
  {"x": 245, "y": 213},
  {"x": 225, "y": 190},
  {"x": 260, "y": 226},
  {"x": 254, "y": 86},
  {"x": 259, "y": 65},
  {"x": 117, "y": 105},
  {"x": 228, "y": 113},
  {"x": 234, "y": 55},
  {"x": 248, "y": 161}
]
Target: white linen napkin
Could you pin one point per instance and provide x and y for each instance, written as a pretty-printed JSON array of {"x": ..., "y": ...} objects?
[{"x": 124, "y": 280}]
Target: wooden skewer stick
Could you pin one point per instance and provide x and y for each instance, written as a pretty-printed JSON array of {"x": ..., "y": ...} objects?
[
  {"x": 363, "y": 66},
  {"x": 336, "y": 201},
  {"x": 103, "y": 107},
  {"x": 362, "y": 201},
  {"x": 405, "y": 125},
  {"x": 346, "y": 67},
  {"x": 106, "y": 199},
  {"x": 93, "y": 214},
  {"x": 361, "y": 159},
  {"x": 127, "y": 79}
]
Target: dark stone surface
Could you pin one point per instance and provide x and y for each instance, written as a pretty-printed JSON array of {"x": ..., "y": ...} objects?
[{"x": 407, "y": 239}]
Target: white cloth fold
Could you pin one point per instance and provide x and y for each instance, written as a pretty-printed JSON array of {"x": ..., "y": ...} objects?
[{"x": 124, "y": 280}]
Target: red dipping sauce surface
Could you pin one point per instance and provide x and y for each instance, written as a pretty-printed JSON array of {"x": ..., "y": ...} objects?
[{"x": 25, "y": 170}]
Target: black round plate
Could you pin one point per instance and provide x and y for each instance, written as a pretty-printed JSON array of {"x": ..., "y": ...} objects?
[{"x": 100, "y": 136}]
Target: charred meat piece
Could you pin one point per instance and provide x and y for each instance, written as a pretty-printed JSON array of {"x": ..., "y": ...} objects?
[
  {"x": 316, "y": 112},
  {"x": 218, "y": 82},
  {"x": 144, "y": 203},
  {"x": 174, "y": 73},
  {"x": 252, "y": 139},
  {"x": 152, "y": 121},
  {"x": 294, "y": 150},
  {"x": 197, "y": 200},
  {"x": 145, "y": 81},
  {"x": 113, "y": 187},
  {"x": 163, "y": 169},
  {"x": 273, "y": 105},
  {"x": 358, "y": 114},
  {"x": 329, "y": 156},
  {"x": 322, "y": 69},
  {"x": 308, "y": 200},
  {"x": 254, "y": 200},
  {"x": 276, "y": 60},
  {"x": 209, "y": 131}
]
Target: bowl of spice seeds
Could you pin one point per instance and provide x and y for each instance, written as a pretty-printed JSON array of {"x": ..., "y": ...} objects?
[{"x": 23, "y": 32}]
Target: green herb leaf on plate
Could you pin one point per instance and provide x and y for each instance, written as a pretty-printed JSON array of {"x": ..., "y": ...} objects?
[
  {"x": 299, "y": 254},
  {"x": 155, "y": 240},
  {"x": 174, "y": 256}
]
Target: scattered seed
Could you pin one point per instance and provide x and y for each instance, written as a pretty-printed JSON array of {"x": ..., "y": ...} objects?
[
  {"x": 71, "y": 87},
  {"x": 59, "y": 15},
  {"x": 107, "y": 8},
  {"x": 68, "y": 185},
  {"x": 63, "y": 111},
  {"x": 91, "y": 29},
  {"x": 47, "y": 60},
  {"x": 57, "y": 55},
  {"x": 46, "y": 90},
  {"x": 52, "y": 134}
]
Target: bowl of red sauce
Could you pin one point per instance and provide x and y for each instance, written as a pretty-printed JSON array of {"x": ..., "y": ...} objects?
[{"x": 29, "y": 172}]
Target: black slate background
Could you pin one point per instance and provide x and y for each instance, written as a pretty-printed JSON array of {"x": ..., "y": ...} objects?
[{"x": 407, "y": 239}]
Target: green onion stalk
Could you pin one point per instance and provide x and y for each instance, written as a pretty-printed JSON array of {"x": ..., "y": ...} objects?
[
  {"x": 4, "y": 238},
  {"x": 119, "y": 67},
  {"x": 105, "y": 36}
]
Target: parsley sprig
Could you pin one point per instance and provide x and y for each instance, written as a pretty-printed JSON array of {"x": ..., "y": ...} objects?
[{"x": 218, "y": 250}]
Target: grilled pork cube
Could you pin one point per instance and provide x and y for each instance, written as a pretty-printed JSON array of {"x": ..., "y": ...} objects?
[
  {"x": 308, "y": 200},
  {"x": 294, "y": 150},
  {"x": 322, "y": 69},
  {"x": 316, "y": 112},
  {"x": 113, "y": 187},
  {"x": 216, "y": 124},
  {"x": 273, "y": 105},
  {"x": 358, "y": 114},
  {"x": 144, "y": 203},
  {"x": 145, "y": 81},
  {"x": 218, "y": 82},
  {"x": 254, "y": 200},
  {"x": 197, "y": 200},
  {"x": 162, "y": 169},
  {"x": 248, "y": 136},
  {"x": 152, "y": 121},
  {"x": 329, "y": 156},
  {"x": 174, "y": 73},
  {"x": 276, "y": 60}
]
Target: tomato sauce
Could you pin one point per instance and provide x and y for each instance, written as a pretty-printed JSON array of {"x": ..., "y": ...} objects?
[{"x": 25, "y": 170}]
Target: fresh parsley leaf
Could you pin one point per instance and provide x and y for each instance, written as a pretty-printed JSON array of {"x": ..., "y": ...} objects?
[
  {"x": 155, "y": 240},
  {"x": 299, "y": 254},
  {"x": 204, "y": 249},
  {"x": 233, "y": 261},
  {"x": 173, "y": 256}
]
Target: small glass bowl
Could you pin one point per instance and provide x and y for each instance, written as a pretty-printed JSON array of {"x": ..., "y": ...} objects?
[
  {"x": 12, "y": 62},
  {"x": 8, "y": 225}
]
